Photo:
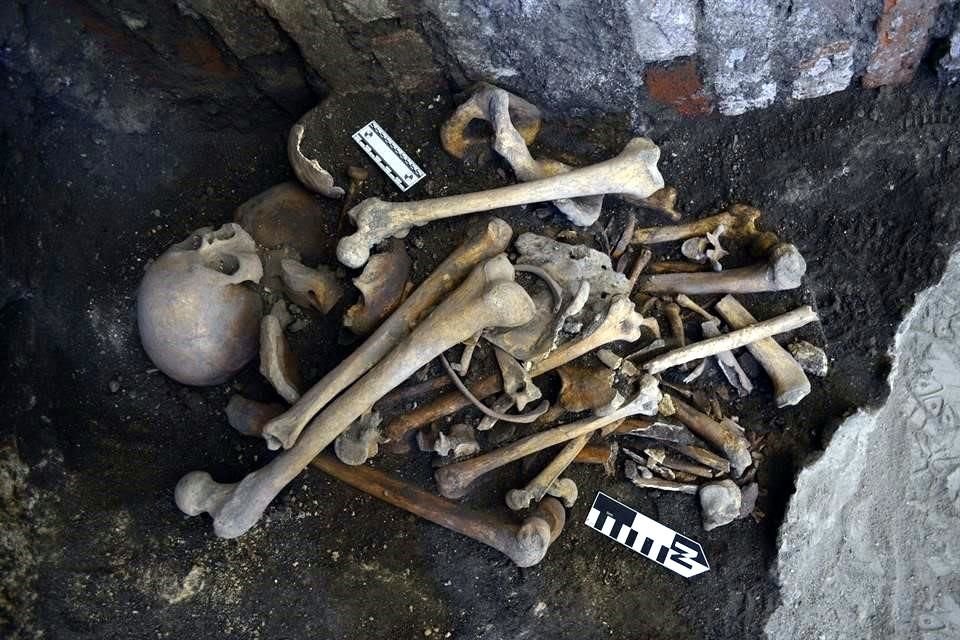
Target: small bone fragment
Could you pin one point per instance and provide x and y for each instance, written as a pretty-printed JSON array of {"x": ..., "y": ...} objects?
[
  {"x": 466, "y": 356},
  {"x": 481, "y": 243},
  {"x": 632, "y": 172},
  {"x": 382, "y": 285},
  {"x": 602, "y": 454},
  {"x": 630, "y": 470},
  {"x": 662, "y": 201},
  {"x": 727, "y": 440},
  {"x": 783, "y": 269},
  {"x": 248, "y": 416},
  {"x": 501, "y": 405},
  {"x": 306, "y": 287},
  {"x": 811, "y": 359},
  {"x": 525, "y": 544},
  {"x": 697, "y": 372},
  {"x": 666, "y": 407},
  {"x": 729, "y": 365},
  {"x": 509, "y": 143},
  {"x": 272, "y": 279},
  {"x": 308, "y": 171},
  {"x": 459, "y": 442},
  {"x": 517, "y": 382},
  {"x": 454, "y": 134},
  {"x": 361, "y": 440},
  {"x": 662, "y": 430},
  {"x": 674, "y": 319},
  {"x": 565, "y": 490},
  {"x": 454, "y": 480},
  {"x": 706, "y": 249},
  {"x": 526, "y": 418},
  {"x": 624, "y": 242},
  {"x": 749, "y": 334},
  {"x": 585, "y": 388},
  {"x": 790, "y": 384},
  {"x": 687, "y": 303},
  {"x": 536, "y": 489},
  {"x": 739, "y": 221},
  {"x": 609, "y": 359},
  {"x": 621, "y": 322},
  {"x": 748, "y": 499},
  {"x": 678, "y": 464},
  {"x": 638, "y": 266},
  {"x": 488, "y": 297},
  {"x": 719, "y": 503},
  {"x": 703, "y": 456},
  {"x": 278, "y": 364}
]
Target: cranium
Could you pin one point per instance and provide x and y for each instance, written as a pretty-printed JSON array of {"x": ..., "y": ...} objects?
[{"x": 199, "y": 323}]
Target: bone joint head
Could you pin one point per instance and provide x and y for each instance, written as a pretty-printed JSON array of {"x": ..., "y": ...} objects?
[{"x": 537, "y": 533}]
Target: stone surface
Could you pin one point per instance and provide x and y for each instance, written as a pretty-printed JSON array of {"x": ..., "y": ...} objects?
[
  {"x": 950, "y": 63},
  {"x": 828, "y": 70},
  {"x": 869, "y": 541},
  {"x": 662, "y": 30},
  {"x": 902, "y": 36},
  {"x": 407, "y": 60}
]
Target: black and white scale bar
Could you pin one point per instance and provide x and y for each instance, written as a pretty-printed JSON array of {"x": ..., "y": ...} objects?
[
  {"x": 647, "y": 537},
  {"x": 378, "y": 144}
]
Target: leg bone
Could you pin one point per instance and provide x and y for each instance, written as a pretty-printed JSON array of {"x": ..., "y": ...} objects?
[{"x": 536, "y": 489}]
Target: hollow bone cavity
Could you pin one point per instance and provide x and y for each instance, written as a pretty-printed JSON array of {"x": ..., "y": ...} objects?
[
  {"x": 198, "y": 322},
  {"x": 488, "y": 298},
  {"x": 633, "y": 172}
]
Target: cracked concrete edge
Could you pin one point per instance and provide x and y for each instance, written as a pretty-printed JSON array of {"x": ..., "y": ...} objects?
[{"x": 868, "y": 547}]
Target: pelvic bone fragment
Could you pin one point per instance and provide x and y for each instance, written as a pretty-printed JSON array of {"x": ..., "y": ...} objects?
[
  {"x": 633, "y": 172},
  {"x": 454, "y": 480},
  {"x": 525, "y": 544},
  {"x": 790, "y": 383},
  {"x": 487, "y": 298},
  {"x": 481, "y": 243},
  {"x": 454, "y": 134},
  {"x": 783, "y": 269}
]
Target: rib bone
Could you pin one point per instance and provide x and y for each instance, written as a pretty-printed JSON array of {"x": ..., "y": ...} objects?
[
  {"x": 632, "y": 172},
  {"x": 481, "y": 244},
  {"x": 621, "y": 322},
  {"x": 487, "y": 298},
  {"x": 728, "y": 341},
  {"x": 526, "y": 544},
  {"x": 790, "y": 383},
  {"x": 784, "y": 269},
  {"x": 454, "y": 480}
]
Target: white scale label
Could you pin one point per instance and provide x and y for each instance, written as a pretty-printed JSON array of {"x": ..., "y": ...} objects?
[
  {"x": 388, "y": 155},
  {"x": 647, "y": 537}
]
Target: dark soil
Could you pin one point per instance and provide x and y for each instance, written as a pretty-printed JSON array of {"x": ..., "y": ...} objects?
[{"x": 865, "y": 183}]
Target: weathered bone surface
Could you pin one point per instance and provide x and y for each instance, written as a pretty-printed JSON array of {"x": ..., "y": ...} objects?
[
  {"x": 725, "y": 439},
  {"x": 621, "y": 322},
  {"x": 675, "y": 321},
  {"x": 517, "y": 383},
  {"x": 308, "y": 171},
  {"x": 278, "y": 363},
  {"x": 487, "y": 298},
  {"x": 248, "y": 416},
  {"x": 361, "y": 440},
  {"x": 382, "y": 286},
  {"x": 315, "y": 288},
  {"x": 602, "y": 454},
  {"x": 784, "y": 269},
  {"x": 790, "y": 383},
  {"x": 525, "y": 544},
  {"x": 198, "y": 322},
  {"x": 728, "y": 363},
  {"x": 747, "y": 335},
  {"x": 509, "y": 143},
  {"x": 719, "y": 503},
  {"x": 565, "y": 490},
  {"x": 288, "y": 216},
  {"x": 481, "y": 243},
  {"x": 455, "y": 134},
  {"x": 536, "y": 489},
  {"x": 633, "y": 172},
  {"x": 662, "y": 201},
  {"x": 811, "y": 359},
  {"x": 584, "y": 388},
  {"x": 454, "y": 480},
  {"x": 630, "y": 470},
  {"x": 459, "y": 441},
  {"x": 739, "y": 222}
]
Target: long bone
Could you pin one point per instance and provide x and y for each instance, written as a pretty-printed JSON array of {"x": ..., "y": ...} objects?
[
  {"x": 536, "y": 489},
  {"x": 602, "y": 454},
  {"x": 726, "y": 439},
  {"x": 481, "y": 244},
  {"x": 454, "y": 480},
  {"x": 526, "y": 544},
  {"x": 733, "y": 340},
  {"x": 739, "y": 220},
  {"x": 790, "y": 383},
  {"x": 621, "y": 323},
  {"x": 783, "y": 269},
  {"x": 487, "y": 298},
  {"x": 633, "y": 173}
]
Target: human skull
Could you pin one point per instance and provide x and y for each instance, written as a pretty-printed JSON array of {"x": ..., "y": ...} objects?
[{"x": 199, "y": 323}]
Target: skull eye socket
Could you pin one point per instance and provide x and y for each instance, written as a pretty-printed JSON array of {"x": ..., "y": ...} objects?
[{"x": 222, "y": 262}]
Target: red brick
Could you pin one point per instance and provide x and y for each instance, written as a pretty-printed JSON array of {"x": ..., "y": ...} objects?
[
  {"x": 679, "y": 85},
  {"x": 903, "y": 33}
]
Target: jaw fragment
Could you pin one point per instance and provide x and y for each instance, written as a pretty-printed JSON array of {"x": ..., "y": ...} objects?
[{"x": 632, "y": 172}]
